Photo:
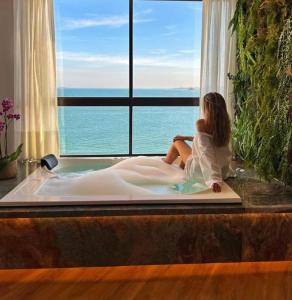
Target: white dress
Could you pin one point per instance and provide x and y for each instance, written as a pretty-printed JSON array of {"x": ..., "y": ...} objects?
[{"x": 208, "y": 163}]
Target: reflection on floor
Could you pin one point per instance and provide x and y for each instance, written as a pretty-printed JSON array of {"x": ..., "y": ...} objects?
[{"x": 269, "y": 281}]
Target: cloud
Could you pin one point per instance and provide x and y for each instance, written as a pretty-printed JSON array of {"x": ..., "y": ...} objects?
[
  {"x": 186, "y": 51},
  {"x": 170, "y": 33},
  {"x": 144, "y": 12},
  {"x": 94, "y": 60},
  {"x": 118, "y": 78},
  {"x": 137, "y": 20},
  {"x": 158, "y": 51},
  {"x": 161, "y": 61},
  {"x": 70, "y": 24},
  {"x": 113, "y": 21},
  {"x": 170, "y": 30},
  {"x": 170, "y": 27}
]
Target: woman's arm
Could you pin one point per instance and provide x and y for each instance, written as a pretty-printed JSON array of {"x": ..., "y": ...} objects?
[{"x": 183, "y": 138}]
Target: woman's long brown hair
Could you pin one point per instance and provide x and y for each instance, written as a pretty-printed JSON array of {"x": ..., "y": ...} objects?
[{"x": 217, "y": 119}]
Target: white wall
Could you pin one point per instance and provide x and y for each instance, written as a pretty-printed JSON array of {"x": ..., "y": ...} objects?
[{"x": 6, "y": 50}]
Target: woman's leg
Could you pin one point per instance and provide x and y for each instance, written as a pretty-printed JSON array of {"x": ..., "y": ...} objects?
[{"x": 178, "y": 148}]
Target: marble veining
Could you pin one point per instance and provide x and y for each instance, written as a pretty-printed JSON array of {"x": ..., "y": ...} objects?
[{"x": 140, "y": 240}]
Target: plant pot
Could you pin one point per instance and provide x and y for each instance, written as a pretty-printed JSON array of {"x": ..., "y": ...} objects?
[{"x": 9, "y": 171}]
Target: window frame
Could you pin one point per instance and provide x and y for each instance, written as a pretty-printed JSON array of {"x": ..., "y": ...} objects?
[{"x": 129, "y": 101}]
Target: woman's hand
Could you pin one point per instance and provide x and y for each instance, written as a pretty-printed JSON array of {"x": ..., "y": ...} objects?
[
  {"x": 216, "y": 188},
  {"x": 179, "y": 138},
  {"x": 182, "y": 138}
]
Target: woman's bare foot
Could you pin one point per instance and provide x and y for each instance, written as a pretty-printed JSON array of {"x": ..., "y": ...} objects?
[{"x": 216, "y": 188}]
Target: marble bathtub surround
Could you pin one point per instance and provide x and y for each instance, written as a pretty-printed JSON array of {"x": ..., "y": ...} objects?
[
  {"x": 139, "y": 240},
  {"x": 257, "y": 197},
  {"x": 257, "y": 230}
]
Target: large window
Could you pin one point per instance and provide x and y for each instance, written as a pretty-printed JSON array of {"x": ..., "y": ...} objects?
[
  {"x": 167, "y": 49},
  {"x": 92, "y": 48},
  {"x": 128, "y": 74},
  {"x": 94, "y": 130}
]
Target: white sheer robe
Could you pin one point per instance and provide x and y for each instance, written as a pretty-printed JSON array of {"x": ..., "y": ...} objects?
[{"x": 208, "y": 163}]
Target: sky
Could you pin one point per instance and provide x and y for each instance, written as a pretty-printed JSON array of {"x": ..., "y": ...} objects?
[{"x": 93, "y": 43}]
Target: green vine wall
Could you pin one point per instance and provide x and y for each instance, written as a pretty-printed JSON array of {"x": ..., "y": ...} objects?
[{"x": 263, "y": 86}]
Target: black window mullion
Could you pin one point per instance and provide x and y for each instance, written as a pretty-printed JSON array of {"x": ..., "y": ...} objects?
[
  {"x": 127, "y": 101},
  {"x": 131, "y": 66}
]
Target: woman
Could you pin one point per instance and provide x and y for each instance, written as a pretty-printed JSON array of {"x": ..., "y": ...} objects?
[{"x": 210, "y": 155}]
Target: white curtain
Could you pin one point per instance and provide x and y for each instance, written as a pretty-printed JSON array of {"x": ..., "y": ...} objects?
[
  {"x": 35, "y": 77},
  {"x": 218, "y": 50}
]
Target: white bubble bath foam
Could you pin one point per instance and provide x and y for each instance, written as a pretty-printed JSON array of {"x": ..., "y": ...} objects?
[{"x": 109, "y": 181}]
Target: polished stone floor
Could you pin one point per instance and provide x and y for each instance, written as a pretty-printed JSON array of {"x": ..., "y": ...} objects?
[{"x": 235, "y": 281}]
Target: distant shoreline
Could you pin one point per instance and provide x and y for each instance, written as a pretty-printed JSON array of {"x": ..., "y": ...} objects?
[
  {"x": 97, "y": 88},
  {"x": 123, "y": 92}
]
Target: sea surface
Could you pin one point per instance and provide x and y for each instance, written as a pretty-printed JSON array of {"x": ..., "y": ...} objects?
[{"x": 105, "y": 130}]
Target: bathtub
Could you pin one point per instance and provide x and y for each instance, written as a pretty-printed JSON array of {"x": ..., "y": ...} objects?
[{"x": 26, "y": 193}]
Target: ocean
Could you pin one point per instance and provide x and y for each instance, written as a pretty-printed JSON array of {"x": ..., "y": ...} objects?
[{"x": 105, "y": 130}]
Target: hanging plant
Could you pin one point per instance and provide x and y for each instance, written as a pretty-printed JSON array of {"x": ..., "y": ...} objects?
[
  {"x": 262, "y": 130},
  {"x": 284, "y": 96}
]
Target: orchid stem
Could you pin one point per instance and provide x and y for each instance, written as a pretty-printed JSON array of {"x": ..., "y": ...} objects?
[
  {"x": 1, "y": 148},
  {"x": 6, "y": 137}
]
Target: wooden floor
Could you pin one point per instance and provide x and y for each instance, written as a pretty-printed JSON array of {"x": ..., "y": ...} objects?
[{"x": 246, "y": 281}]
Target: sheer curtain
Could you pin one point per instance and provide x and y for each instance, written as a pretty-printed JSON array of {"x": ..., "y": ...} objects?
[
  {"x": 218, "y": 50},
  {"x": 35, "y": 77}
]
